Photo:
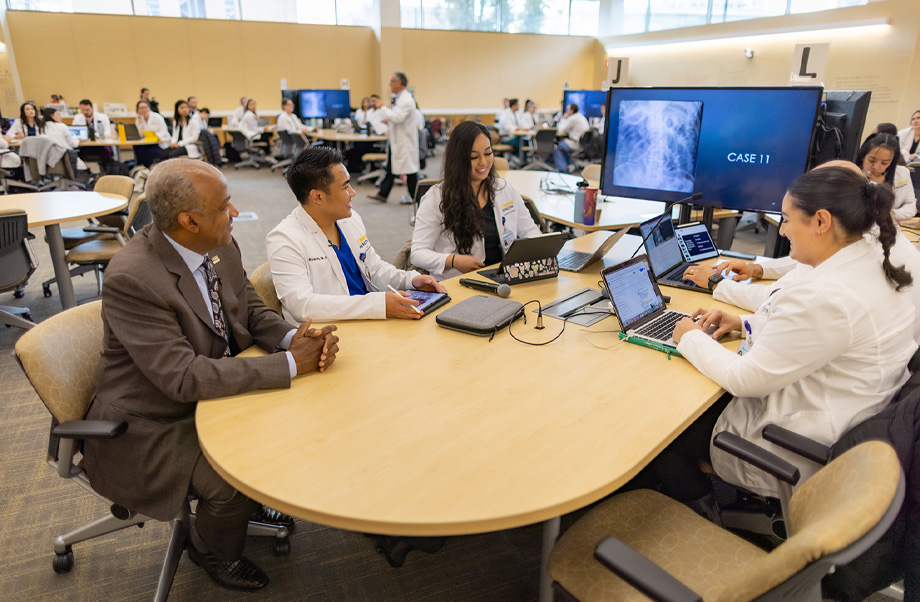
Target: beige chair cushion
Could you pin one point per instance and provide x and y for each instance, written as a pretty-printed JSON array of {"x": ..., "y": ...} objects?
[
  {"x": 501, "y": 165},
  {"x": 94, "y": 251},
  {"x": 261, "y": 279},
  {"x": 704, "y": 557},
  {"x": 371, "y": 157},
  {"x": 122, "y": 186},
  {"x": 60, "y": 355}
]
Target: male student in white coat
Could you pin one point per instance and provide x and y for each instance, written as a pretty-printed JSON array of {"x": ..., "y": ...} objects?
[
  {"x": 323, "y": 265},
  {"x": 402, "y": 138}
]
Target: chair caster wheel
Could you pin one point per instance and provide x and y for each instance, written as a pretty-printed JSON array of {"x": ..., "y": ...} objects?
[
  {"x": 281, "y": 547},
  {"x": 28, "y": 316},
  {"x": 19, "y": 293},
  {"x": 62, "y": 563},
  {"x": 46, "y": 291}
]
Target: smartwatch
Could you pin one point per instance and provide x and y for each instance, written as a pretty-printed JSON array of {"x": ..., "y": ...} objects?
[{"x": 714, "y": 280}]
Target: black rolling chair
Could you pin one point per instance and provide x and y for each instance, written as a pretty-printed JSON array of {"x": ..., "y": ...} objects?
[
  {"x": 17, "y": 263},
  {"x": 544, "y": 145}
]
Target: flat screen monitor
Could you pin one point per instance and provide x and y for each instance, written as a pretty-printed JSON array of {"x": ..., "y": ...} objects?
[
  {"x": 740, "y": 147},
  {"x": 843, "y": 122},
  {"x": 589, "y": 101},
  {"x": 293, "y": 96},
  {"x": 324, "y": 104}
]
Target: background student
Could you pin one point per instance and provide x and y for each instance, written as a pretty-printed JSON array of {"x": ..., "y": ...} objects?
[
  {"x": 147, "y": 120},
  {"x": 186, "y": 130}
]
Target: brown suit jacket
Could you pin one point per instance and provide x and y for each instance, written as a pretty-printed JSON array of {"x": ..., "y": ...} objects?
[{"x": 160, "y": 355}]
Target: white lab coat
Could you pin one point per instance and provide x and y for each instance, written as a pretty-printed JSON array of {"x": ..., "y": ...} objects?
[
  {"x": 157, "y": 125},
  {"x": 18, "y": 128},
  {"x": 361, "y": 116},
  {"x": 829, "y": 350},
  {"x": 573, "y": 127},
  {"x": 402, "y": 137},
  {"x": 101, "y": 124},
  {"x": 308, "y": 276},
  {"x": 289, "y": 123},
  {"x": 60, "y": 135},
  {"x": 905, "y": 203},
  {"x": 507, "y": 122},
  {"x": 8, "y": 158},
  {"x": 432, "y": 243},
  {"x": 249, "y": 125},
  {"x": 375, "y": 118},
  {"x": 234, "y": 118},
  {"x": 527, "y": 121},
  {"x": 189, "y": 139},
  {"x": 906, "y": 138},
  {"x": 786, "y": 270}
]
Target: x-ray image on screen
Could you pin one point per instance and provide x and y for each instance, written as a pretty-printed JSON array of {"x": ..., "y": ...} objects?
[
  {"x": 312, "y": 104},
  {"x": 657, "y": 144}
]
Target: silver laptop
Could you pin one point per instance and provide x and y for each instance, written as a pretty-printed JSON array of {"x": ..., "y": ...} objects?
[
  {"x": 576, "y": 261},
  {"x": 672, "y": 250},
  {"x": 637, "y": 302},
  {"x": 80, "y": 131}
]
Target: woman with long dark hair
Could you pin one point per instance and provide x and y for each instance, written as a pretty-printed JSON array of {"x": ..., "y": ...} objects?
[
  {"x": 30, "y": 122},
  {"x": 186, "y": 130},
  {"x": 880, "y": 159},
  {"x": 471, "y": 218},
  {"x": 821, "y": 354}
]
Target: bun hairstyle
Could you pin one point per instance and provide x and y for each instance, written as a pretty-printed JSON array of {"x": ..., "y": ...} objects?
[
  {"x": 459, "y": 202},
  {"x": 856, "y": 204}
]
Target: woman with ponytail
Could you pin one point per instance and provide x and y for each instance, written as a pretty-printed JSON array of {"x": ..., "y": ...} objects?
[
  {"x": 822, "y": 353},
  {"x": 471, "y": 218}
]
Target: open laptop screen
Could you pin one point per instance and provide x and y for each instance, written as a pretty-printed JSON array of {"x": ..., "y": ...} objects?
[
  {"x": 632, "y": 291},
  {"x": 661, "y": 245},
  {"x": 696, "y": 243},
  {"x": 80, "y": 131}
]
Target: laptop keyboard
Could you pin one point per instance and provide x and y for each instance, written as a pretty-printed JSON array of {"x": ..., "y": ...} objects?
[
  {"x": 663, "y": 327},
  {"x": 572, "y": 260}
]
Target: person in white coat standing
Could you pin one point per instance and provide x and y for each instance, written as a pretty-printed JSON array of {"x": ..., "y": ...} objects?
[
  {"x": 323, "y": 265},
  {"x": 402, "y": 138}
]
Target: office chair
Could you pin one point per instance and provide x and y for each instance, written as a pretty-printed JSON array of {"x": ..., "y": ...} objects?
[
  {"x": 17, "y": 264},
  {"x": 36, "y": 152},
  {"x": 261, "y": 280},
  {"x": 376, "y": 171},
  {"x": 534, "y": 214},
  {"x": 592, "y": 172},
  {"x": 499, "y": 147},
  {"x": 501, "y": 165},
  {"x": 642, "y": 541},
  {"x": 291, "y": 145},
  {"x": 96, "y": 254},
  {"x": 64, "y": 383},
  {"x": 7, "y": 177},
  {"x": 242, "y": 144},
  {"x": 545, "y": 144},
  {"x": 421, "y": 189}
]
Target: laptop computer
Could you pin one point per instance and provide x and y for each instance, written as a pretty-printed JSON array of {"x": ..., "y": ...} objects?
[
  {"x": 215, "y": 122},
  {"x": 672, "y": 250},
  {"x": 80, "y": 131},
  {"x": 131, "y": 132},
  {"x": 576, "y": 261},
  {"x": 644, "y": 318},
  {"x": 528, "y": 259}
]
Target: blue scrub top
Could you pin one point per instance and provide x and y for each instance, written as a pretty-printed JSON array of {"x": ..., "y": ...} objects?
[{"x": 349, "y": 266}]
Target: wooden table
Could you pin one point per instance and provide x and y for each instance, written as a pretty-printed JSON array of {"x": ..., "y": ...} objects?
[
  {"x": 616, "y": 212},
  {"x": 50, "y": 209},
  {"x": 419, "y": 430},
  {"x": 342, "y": 138}
]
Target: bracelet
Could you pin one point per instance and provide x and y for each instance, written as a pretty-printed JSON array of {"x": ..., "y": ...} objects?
[{"x": 452, "y": 257}]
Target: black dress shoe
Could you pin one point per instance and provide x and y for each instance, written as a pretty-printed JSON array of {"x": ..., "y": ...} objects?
[
  {"x": 239, "y": 574},
  {"x": 270, "y": 516}
]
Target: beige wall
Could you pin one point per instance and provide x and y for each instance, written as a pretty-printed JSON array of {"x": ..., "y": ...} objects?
[
  {"x": 109, "y": 58},
  {"x": 885, "y": 59}
]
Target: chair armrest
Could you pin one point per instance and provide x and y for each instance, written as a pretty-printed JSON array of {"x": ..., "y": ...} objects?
[
  {"x": 102, "y": 229},
  {"x": 89, "y": 429},
  {"x": 641, "y": 573},
  {"x": 796, "y": 443},
  {"x": 757, "y": 456}
]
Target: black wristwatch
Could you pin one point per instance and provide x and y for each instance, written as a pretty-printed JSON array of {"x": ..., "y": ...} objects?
[{"x": 714, "y": 280}]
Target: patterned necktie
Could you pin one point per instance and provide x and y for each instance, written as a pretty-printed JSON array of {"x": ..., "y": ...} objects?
[{"x": 213, "y": 296}]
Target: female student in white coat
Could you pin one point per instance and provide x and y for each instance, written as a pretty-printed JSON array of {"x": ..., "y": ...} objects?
[
  {"x": 471, "y": 218},
  {"x": 55, "y": 130},
  {"x": 29, "y": 123},
  {"x": 147, "y": 120},
  {"x": 186, "y": 130},
  {"x": 880, "y": 158},
  {"x": 402, "y": 138},
  {"x": 910, "y": 139},
  {"x": 820, "y": 355},
  {"x": 323, "y": 265}
]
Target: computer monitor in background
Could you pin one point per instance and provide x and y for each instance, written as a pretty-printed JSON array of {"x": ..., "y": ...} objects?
[
  {"x": 324, "y": 104},
  {"x": 589, "y": 101},
  {"x": 293, "y": 96},
  {"x": 840, "y": 133},
  {"x": 740, "y": 147}
]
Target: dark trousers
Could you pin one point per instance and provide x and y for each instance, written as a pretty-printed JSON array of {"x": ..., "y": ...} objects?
[
  {"x": 174, "y": 153},
  {"x": 222, "y": 515},
  {"x": 147, "y": 154},
  {"x": 387, "y": 184},
  {"x": 676, "y": 469}
]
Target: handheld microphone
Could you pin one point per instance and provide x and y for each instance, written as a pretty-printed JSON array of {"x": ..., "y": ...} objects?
[
  {"x": 502, "y": 290},
  {"x": 696, "y": 196}
]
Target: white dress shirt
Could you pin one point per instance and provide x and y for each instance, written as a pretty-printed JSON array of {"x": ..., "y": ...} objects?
[
  {"x": 308, "y": 276},
  {"x": 573, "y": 127},
  {"x": 195, "y": 262},
  {"x": 432, "y": 244},
  {"x": 828, "y": 350}
]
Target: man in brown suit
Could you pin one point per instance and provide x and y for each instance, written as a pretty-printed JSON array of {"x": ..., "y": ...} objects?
[{"x": 177, "y": 308}]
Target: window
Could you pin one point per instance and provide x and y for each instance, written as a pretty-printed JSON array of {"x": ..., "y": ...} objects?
[
  {"x": 112, "y": 7},
  {"x": 561, "y": 17}
]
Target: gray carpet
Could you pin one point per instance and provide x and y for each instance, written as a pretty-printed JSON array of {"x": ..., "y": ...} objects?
[{"x": 325, "y": 563}]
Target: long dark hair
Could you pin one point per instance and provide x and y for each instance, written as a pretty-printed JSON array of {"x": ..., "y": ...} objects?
[
  {"x": 856, "y": 204},
  {"x": 176, "y": 117},
  {"x": 39, "y": 122},
  {"x": 883, "y": 141},
  {"x": 459, "y": 202}
]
